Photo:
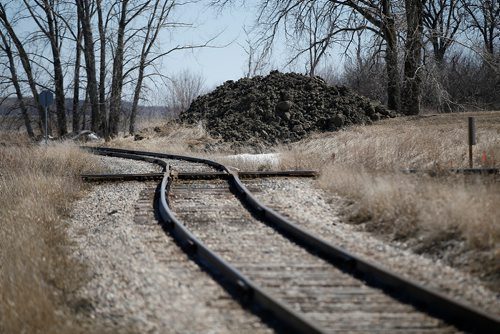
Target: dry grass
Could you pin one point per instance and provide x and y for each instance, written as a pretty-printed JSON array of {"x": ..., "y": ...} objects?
[
  {"x": 446, "y": 216},
  {"x": 403, "y": 205},
  {"x": 429, "y": 213},
  {"x": 363, "y": 163},
  {"x": 169, "y": 137},
  {"x": 37, "y": 276},
  {"x": 435, "y": 141}
]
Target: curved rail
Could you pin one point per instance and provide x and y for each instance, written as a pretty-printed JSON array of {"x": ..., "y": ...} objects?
[
  {"x": 251, "y": 292},
  {"x": 428, "y": 300}
]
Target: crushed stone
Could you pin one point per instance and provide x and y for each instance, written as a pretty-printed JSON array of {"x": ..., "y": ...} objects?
[
  {"x": 314, "y": 209},
  {"x": 140, "y": 280}
]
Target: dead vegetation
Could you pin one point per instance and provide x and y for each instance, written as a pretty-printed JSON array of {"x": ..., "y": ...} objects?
[
  {"x": 38, "y": 275},
  {"x": 451, "y": 217},
  {"x": 171, "y": 137}
]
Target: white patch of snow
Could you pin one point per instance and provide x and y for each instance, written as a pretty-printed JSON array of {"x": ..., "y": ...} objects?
[{"x": 272, "y": 159}]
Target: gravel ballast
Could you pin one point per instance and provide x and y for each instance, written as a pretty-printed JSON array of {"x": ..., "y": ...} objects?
[
  {"x": 141, "y": 281},
  {"x": 320, "y": 292},
  {"x": 309, "y": 207}
]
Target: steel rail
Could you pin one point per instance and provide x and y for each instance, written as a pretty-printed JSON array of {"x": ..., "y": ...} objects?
[
  {"x": 129, "y": 155},
  {"x": 249, "y": 291},
  {"x": 455, "y": 312},
  {"x": 211, "y": 163},
  {"x": 428, "y": 300},
  {"x": 466, "y": 171},
  {"x": 122, "y": 177},
  {"x": 195, "y": 175}
]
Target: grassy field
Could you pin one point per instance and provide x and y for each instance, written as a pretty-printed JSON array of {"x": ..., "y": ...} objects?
[
  {"x": 452, "y": 217},
  {"x": 37, "y": 187}
]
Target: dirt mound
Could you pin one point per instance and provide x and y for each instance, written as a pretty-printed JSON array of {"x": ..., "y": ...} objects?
[{"x": 280, "y": 107}]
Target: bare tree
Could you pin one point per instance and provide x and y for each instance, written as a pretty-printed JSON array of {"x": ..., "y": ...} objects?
[
  {"x": 76, "y": 80},
  {"x": 126, "y": 16},
  {"x": 378, "y": 13},
  {"x": 102, "y": 26},
  {"x": 484, "y": 17},
  {"x": 381, "y": 15},
  {"x": 364, "y": 70},
  {"x": 413, "y": 58},
  {"x": 5, "y": 47},
  {"x": 184, "y": 88},
  {"x": 258, "y": 55},
  {"x": 119, "y": 58},
  {"x": 49, "y": 26},
  {"x": 96, "y": 66},
  {"x": 321, "y": 28},
  {"x": 442, "y": 21},
  {"x": 149, "y": 53},
  {"x": 85, "y": 10},
  {"x": 157, "y": 20},
  {"x": 25, "y": 61}
]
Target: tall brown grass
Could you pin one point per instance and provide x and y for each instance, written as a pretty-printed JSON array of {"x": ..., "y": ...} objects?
[
  {"x": 38, "y": 275},
  {"x": 363, "y": 164},
  {"x": 434, "y": 141},
  {"x": 170, "y": 137}
]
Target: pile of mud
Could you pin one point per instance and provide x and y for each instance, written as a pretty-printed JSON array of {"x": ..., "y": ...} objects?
[{"x": 280, "y": 108}]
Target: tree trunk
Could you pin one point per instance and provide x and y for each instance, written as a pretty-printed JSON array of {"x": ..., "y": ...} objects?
[
  {"x": 23, "y": 56},
  {"x": 84, "y": 12},
  {"x": 102, "y": 70},
  {"x": 58, "y": 72},
  {"x": 391, "y": 63},
  {"x": 15, "y": 83},
  {"x": 137, "y": 94},
  {"x": 84, "y": 109},
  {"x": 391, "y": 57},
  {"x": 76, "y": 82},
  {"x": 413, "y": 54},
  {"x": 117, "y": 79},
  {"x": 152, "y": 31}
]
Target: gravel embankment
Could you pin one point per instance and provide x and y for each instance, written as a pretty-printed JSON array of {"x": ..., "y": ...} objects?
[
  {"x": 317, "y": 211},
  {"x": 141, "y": 281}
]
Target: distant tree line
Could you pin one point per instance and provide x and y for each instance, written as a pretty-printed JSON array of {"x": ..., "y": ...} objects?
[
  {"x": 438, "y": 53},
  {"x": 409, "y": 54},
  {"x": 85, "y": 49}
]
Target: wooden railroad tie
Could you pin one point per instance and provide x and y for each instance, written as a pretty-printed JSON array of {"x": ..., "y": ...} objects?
[
  {"x": 465, "y": 171},
  {"x": 196, "y": 176}
]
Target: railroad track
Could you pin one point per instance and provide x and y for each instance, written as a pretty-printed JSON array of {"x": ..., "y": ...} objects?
[{"x": 281, "y": 270}]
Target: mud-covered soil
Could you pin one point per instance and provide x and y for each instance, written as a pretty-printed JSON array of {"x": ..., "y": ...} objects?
[{"x": 280, "y": 108}]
